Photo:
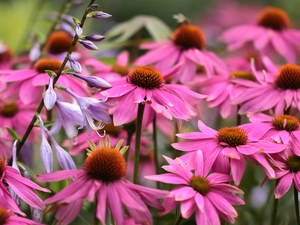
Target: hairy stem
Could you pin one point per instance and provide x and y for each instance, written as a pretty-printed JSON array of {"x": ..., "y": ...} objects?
[
  {"x": 296, "y": 205},
  {"x": 178, "y": 219},
  {"x": 139, "y": 121}
]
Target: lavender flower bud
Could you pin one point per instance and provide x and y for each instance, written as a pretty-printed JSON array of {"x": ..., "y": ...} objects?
[
  {"x": 36, "y": 214},
  {"x": 35, "y": 52},
  {"x": 94, "y": 37},
  {"x": 88, "y": 44},
  {"x": 93, "y": 81},
  {"x": 78, "y": 29},
  {"x": 50, "y": 96},
  {"x": 94, "y": 7},
  {"x": 75, "y": 65},
  {"x": 99, "y": 15}
]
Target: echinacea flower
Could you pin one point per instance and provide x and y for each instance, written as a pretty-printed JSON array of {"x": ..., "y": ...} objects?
[
  {"x": 226, "y": 149},
  {"x": 280, "y": 128},
  {"x": 7, "y": 217},
  {"x": 287, "y": 171},
  {"x": 103, "y": 178},
  {"x": 272, "y": 31},
  {"x": 209, "y": 195},
  {"x": 23, "y": 187},
  {"x": 146, "y": 85},
  {"x": 278, "y": 89},
  {"x": 187, "y": 46},
  {"x": 29, "y": 83}
]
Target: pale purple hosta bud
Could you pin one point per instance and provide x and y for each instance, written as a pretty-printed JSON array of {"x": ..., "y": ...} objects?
[
  {"x": 94, "y": 6},
  {"x": 99, "y": 15},
  {"x": 88, "y": 44},
  {"x": 35, "y": 52},
  {"x": 75, "y": 65},
  {"x": 67, "y": 28},
  {"x": 77, "y": 3},
  {"x": 45, "y": 150},
  {"x": 14, "y": 165},
  {"x": 50, "y": 96},
  {"x": 78, "y": 29},
  {"x": 36, "y": 214},
  {"x": 94, "y": 37},
  {"x": 93, "y": 81},
  {"x": 64, "y": 159}
]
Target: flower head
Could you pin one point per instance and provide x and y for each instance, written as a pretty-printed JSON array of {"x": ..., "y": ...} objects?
[
  {"x": 209, "y": 195},
  {"x": 103, "y": 176},
  {"x": 227, "y": 149},
  {"x": 271, "y": 32},
  {"x": 146, "y": 85}
]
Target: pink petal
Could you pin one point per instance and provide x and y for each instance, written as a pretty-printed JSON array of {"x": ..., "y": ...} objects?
[
  {"x": 199, "y": 164},
  {"x": 167, "y": 178},
  {"x": 18, "y": 75},
  {"x": 126, "y": 110},
  {"x": 187, "y": 208},
  {"x": 58, "y": 175},
  {"x": 283, "y": 185},
  {"x": 222, "y": 204},
  {"x": 114, "y": 204},
  {"x": 101, "y": 205},
  {"x": 238, "y": 167},
  {"x": 122, "y": 59},
  {"x": 205, "y": 129},
  {"x": 183, "y": 193},
  {"x": 199, "y": 199}
]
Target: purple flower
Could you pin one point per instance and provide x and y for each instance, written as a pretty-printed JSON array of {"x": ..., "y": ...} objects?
[
  {"x": 75, "y": 65},
  {"x": 93, "y": 81},
  {"x": 50, "y": 96},
  {"x": 88, "y": 44},
  {"x": 94, "y": 37},
  {"x": 99, "y": 15},
  {"x": 92, "y": 109},
  {"x": 67, "y": 115}
]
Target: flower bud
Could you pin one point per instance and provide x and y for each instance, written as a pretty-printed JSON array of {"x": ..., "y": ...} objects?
[
  {"x": 88, "y": 44},
  {"x": 94, "y": 37}
]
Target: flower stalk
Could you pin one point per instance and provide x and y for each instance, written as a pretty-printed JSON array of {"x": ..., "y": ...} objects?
[
  {"x": 296, "y": 205},
  {"x": 41, "y": 105},
  {"x": 139, "y": 121}
]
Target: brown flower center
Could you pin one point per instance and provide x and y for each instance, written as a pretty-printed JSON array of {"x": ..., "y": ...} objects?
[
  {"x": 59, "y": 42},
  {"x": 111, "y": 129},
  {"x": 200, "y": 184},
  {"x": 9, "y": 110},
  {"x": 5, "y": 55},
  {"x": 273, "y": 18},
  {"x": 47, "y": 64},
  {"x": 3, "y": 216},
  {"x": 189, "y": 36},
  {"x": 285, "y": 122},
  {"x": 233, "y": 136},
  {"x": 289, "y": 77},
  {"x": 293, "y": 163},
  {"x": 246, "y": 75},
  {"x": 105, "y": 164},
  {"x": 123, "y": 70},
  {"x": 2, "y": 166},
  {"x": 146, "y": 77}
]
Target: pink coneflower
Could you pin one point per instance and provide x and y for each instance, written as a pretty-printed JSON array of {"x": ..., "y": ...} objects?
[
  {"x": 6, "y": 56},
  {"x": 288, "y": 167},
  {"x": 16, "y": 115},
  {"x": 277, "y": 89},
  {"x": 280, "y": 128},
  {"x": 271, "y": 31},
  {"x": 8, "y": 218},
  {"x": 226, "y": 149},
  {"x": 29, "y": 83},
  {"x": 23, "y": 187},
  {"x": 187, "y": 46},
  {"x": 147, "y": 85},
  {"x": 221, "y": 90},
  {"x": 102, "y": 177},
  {"x": 110, "y": 72},
  {"x": 209, "y": 195}
]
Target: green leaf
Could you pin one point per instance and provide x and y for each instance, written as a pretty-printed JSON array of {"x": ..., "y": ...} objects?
[
  {"x": 46, "y": 124},
  {"x": 51, "y": 73},
  {"x": 69, "y": 70},
  {"x": 13, "y": 133}
]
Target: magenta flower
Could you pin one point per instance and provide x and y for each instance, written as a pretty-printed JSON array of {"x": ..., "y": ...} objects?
[
  {"x": 271, "y": 32},
  {"x": 102, "y": 177},
  {"x": 186, "y": 46},
  {"x": 29, "y": 84},
  {"x": 209, "y": 195},
  {"x": 288, "y": 171},
  {"x": 276, "y": 89},
  {"x": 280, "y": 128},
  {"x": 226, "y": 149},
  {"x": 8, "y": 218},
  {"x": 147, "y": 85},
  {"x": 23, "y": 187}
]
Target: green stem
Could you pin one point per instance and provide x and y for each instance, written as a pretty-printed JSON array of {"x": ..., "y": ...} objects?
[
  {"x": 154, "y": 137},
  {"x": 96, "y": 221},
  {"x": 296, "y": 205},
  {"x": 274, "y": 209},
  {"x": 136, "y": 42},
  {"x": 138, "y": 135},
  {"x": 239, "y": 117},
  {"x": 41, "y": 105},
  {"x": 178, "y": 219}
]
